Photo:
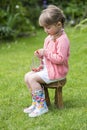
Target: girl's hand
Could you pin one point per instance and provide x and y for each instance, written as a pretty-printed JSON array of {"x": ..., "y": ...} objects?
[
  {"x": 37, "y": 69},
  {"x": 36, "y": 53},
  {"x": 39, "y": 53}
]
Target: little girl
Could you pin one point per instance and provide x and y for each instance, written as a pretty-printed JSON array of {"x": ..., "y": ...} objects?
[{"x": 54, "y": 59}]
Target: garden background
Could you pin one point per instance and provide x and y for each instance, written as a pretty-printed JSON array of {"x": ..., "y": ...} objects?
[{"x": 20, "y": 36}]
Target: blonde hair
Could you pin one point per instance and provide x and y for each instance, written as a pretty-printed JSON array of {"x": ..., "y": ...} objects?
[{"x": 51, "y": 15}]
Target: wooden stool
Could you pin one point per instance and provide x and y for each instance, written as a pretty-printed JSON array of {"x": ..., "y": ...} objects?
[{"x": 58, "y": 92}]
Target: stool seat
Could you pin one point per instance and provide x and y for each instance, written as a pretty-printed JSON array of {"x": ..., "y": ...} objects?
[{"x": 58, "y": 92}]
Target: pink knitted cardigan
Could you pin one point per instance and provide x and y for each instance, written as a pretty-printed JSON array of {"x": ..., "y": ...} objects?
[{"x": 56, "y": 56}]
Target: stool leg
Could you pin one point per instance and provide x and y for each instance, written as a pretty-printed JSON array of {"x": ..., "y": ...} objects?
[
  {"x": 55, "y": 98},
  {"x": 58, "y": 97},
  {"x": 47, "y": 96}
]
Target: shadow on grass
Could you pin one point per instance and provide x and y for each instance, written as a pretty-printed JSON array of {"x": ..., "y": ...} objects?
[
  {"x": 70, "y": 103},
  {"x": 75, "y": 103}
]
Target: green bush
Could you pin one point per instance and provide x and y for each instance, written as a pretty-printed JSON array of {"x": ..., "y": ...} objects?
[
  {"x": 82, "y": 25},
  {"x": 14, "y": 23},
  {"x": 20, "y": 18}
]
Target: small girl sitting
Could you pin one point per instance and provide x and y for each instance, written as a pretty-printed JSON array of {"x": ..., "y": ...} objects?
[{"x": 54, "y": 59}]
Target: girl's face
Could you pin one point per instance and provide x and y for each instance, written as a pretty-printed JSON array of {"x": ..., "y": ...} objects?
[{"x": 52, "y": 29}]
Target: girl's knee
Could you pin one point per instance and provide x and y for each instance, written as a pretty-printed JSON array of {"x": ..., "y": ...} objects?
[{"x": 28, "y": 77}]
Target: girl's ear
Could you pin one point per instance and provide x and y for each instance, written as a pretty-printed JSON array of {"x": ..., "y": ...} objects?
[{"x": 59, "y": 24}]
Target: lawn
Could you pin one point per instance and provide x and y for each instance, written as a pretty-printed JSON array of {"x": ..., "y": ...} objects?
[{"x": 15, "y": 61}]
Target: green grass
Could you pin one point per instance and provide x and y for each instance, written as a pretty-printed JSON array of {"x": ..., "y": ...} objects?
[{"x": 15, "y": 59}]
